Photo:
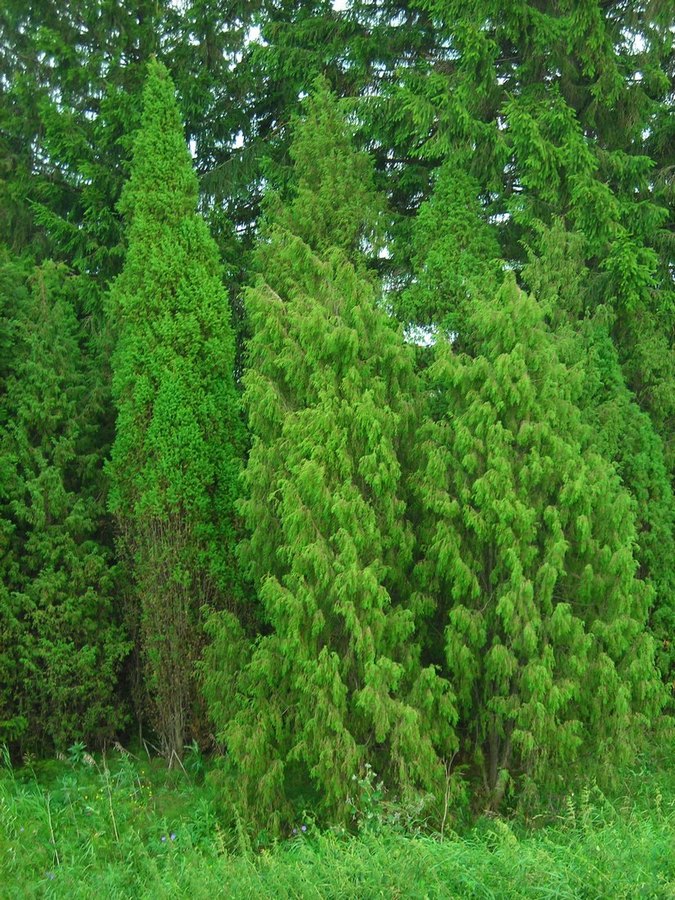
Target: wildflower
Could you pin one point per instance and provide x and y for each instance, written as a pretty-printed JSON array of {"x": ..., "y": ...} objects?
[
  {"x": 172, "y": 836},
  {"x": 295, "y": 831},
  {"x": 50, "y": 876},
  {"x": 163, "y": 838},
  {"x": 304, "y": 828}
]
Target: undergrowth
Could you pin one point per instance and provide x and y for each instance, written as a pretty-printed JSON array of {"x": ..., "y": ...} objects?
[{"x": 126, "y": 828}]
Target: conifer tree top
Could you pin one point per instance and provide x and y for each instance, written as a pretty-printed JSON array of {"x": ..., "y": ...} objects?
[
  {"x": 334, "y": 202},
  {"x": 172, "y": 367},
  {"x": 163, "y": 184}
]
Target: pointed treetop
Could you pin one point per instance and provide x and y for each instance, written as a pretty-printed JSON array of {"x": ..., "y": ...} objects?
[
  {"x": 163, "y": 184},
  {"x": 455, "y": 253},
  {"x": 334, "y": 202}
]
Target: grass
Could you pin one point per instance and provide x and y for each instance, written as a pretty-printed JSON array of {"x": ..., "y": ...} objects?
[{"x": 120, "y": 828}]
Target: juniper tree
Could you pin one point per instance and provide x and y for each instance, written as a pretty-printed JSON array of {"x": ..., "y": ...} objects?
[
  {"x": 57, "y": 575},
  {"x": 455, "y": 255},
  {"x": 620, "y": 430},
  {"x": 12, "y": 296},
  {"x": 336, "y": 681},
  {"x": 529, "y": 556},
  {"x": 175, "y": 456}
]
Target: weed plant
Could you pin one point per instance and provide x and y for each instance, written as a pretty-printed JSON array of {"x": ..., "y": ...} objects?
[{"x": 127, "y": 828}]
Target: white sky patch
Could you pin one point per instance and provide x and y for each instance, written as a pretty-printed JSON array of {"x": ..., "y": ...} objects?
[
  {"x": 422, "y": 335},
  {"x": 253, "y": 35},
  {"x": 499, "y": 218},
  {"x": 634, "y": 41},
  {"x": 340, "y": 5}
]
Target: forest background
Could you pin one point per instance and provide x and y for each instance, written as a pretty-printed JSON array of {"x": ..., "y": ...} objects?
[{"x": 336, "y": 394}]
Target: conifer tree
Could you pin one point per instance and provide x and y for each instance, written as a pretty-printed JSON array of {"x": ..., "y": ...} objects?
[
  {"x": 455, "y": 255},
  {"x": 58, "y": 606},
  {"x": 336, "y": 682},
  {"x": 175, "y": 456},
  {"x": 70, "y": 79},
  {"x": 620, "y": 430},
  {"x": 12, "y": 297},
  {"x": 529, "y": 555},
  {"x": 555, "y": 103}
]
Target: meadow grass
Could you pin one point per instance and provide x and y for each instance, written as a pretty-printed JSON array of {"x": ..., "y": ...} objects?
[{"x": 130, "y": 829}]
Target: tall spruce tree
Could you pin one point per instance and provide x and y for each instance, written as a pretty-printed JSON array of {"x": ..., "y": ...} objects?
[
  {"x": 70, "y": 79},
  {"x": 529, "y": 556},
  {"x": 66, "y": 642},
  {"x": 336, "y": 681},
  {"x": 175, "y": 456},
  {"x": 555, "y": 103}
]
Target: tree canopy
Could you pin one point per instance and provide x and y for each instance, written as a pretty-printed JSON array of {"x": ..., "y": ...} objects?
[{"x": 337, "y": 388}]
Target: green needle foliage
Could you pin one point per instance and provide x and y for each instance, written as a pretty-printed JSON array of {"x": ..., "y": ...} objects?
[
  {"x": 70, "y": 80},
  {"x": 336, "y": 682},
  {"x": 442, "y": 554},
  {"x": 13, "y": 291},
  {"x": 455, "y": 255},
  {"x": 175, "y": 457},
  {"x": 62, "y": 649},
  {"x": 529, "y": 556},
  {"x": 555, "y": 104},
  {"x": 620, "y": 430}
]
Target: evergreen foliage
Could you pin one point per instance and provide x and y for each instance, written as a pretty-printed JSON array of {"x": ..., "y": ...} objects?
[
  {"x": 175, "y": 456},
  {"x": 553, "y": 103},
  {"x": 455, "y": 255},
  {"x": 70, "y": 81},
  {"x": 449, "y": 557},
  {"x": 67, "y": 105},
  {"x": 530, "y": 560},
  {"x": 62, "y": 644},
  {"x": 620, "y": 431},
  {"x": 330, "y": 391},
  {"x": 12, "y": 296}
]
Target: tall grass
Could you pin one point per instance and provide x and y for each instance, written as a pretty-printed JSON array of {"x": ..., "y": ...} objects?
[{"x": 127, "y": 829}]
